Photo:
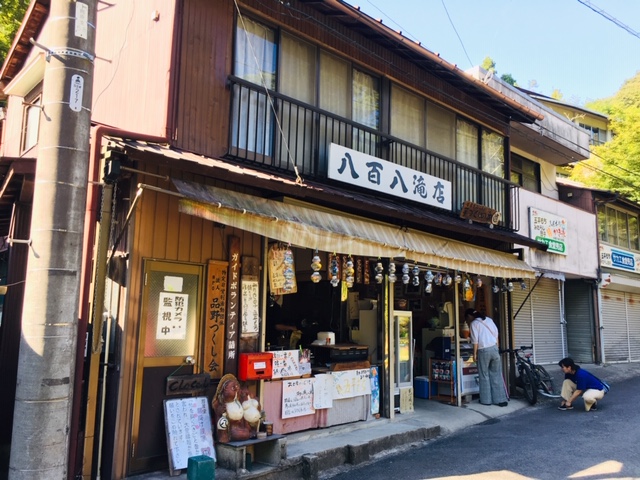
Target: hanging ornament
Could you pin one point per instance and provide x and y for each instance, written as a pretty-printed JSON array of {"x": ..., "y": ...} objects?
[
  {"x": 458, "y": 278},
  {"x": 334, "y": 272},
  {"x": 523, "y": 285},
  {"x": 467, "y": 291},
  {"x": 415, "y": 281},
  {"x": 350, "y": 272},
  {"x": 405, "y": 273},
  {"x": 316, "y": 265},
  {"x": 447, "y": 280},
  {"x": 495, "y": 288},
  {"x": 428, "y": 276},
  {"x": 379, "y": 269},
  {"x": 288, "y": 272},
  {"x": 428, "y": 288},
  {"x": 392, "y": 273},
  {"x": 510, "y": 287},
  {"x": 478, "y": 282},
  {"x": 438, "y": 279}
]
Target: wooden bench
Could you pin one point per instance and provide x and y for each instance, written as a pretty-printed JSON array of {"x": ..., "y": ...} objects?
[{"x": 270, "y": 450}]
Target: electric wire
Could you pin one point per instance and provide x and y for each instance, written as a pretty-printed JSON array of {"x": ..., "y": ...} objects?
[
  {"x": 612, "y": 19},
  {"x": 457, "y": 34}
]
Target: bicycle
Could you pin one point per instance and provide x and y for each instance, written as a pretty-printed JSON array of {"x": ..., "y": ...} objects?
[{"x": 533, "y": 378}]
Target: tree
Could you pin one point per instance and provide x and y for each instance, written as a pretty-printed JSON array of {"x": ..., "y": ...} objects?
[
  {"x": 11, "y": 15},
  {"x": 557, "y": 94},
  {"x": 615, "y": 165},
  {"x": 489, "y": 65},
  {"x": 506, "y": 77}
]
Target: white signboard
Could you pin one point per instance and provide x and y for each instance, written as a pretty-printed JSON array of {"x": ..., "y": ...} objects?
[
  {"x": 297, "y": 398},
  {"x": 351, "y": 383},
  {"x": 286, "y": 363},
  {"x": 548, "y": 228},
  {"x": 356, "y": 168},
  {"x": 172, "y": 316},
  {"x": 188, "y": 424},
  {"x": 249, "y": 308},
  {"x": 323, "y": 391},
  {"x": 619, "y": 259}
]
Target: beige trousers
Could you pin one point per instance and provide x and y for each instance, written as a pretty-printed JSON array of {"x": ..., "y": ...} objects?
[{"x": 590, "y": 396}]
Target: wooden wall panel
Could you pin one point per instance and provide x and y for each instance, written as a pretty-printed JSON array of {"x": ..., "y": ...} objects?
[{"x": 202, "y": 110}]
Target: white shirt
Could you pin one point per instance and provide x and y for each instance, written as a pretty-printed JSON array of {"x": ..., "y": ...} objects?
[{"x": 484, "y": 333}]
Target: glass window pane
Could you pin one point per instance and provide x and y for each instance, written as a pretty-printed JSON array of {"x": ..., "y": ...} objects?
[
  {"x": 493, "y": 153},
  {"x": 441, "y": 131},
  {"x": 602, "y": 223},
  {"x": 255, "y": 55},
  {"x": 623, "y": 233},
  {"x": 633, "y": 233},
  {"x": 335, "y": 77},
  {"x": 32, "y": 124},
  {"x": 298, "y": 69},
  {"x": 467, "y": 143},
  {"x": 407, "y": 116},
  {"x": 366, "y": 99},
  {"x": 612, "y": 226}
]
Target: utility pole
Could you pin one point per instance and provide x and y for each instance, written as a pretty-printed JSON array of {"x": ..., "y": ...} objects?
[{"x": 46, "y": 363}]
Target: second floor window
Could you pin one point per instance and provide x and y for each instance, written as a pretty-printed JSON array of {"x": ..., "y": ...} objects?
[
  {"x": 31, "y": 120},
  {"x": 525, "y": 173},
  {"x": 618, "y": 227}
]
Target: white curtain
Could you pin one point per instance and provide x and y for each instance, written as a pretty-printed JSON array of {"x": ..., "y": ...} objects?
[{"x": 365, "y": 105}]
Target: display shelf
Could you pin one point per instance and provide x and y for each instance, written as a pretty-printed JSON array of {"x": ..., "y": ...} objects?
[{"x": 441, "y": 373}]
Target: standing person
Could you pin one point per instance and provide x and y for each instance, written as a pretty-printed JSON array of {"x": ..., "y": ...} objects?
[
  {"x": 484, "y": 337},
  {"x": 578, "y": 381}
]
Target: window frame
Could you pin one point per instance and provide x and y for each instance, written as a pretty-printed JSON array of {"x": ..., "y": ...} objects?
[
  {"x": 32, "y": 103},
  {"x": 609, "y": 218}
]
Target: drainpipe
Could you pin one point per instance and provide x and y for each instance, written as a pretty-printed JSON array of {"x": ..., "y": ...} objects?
[{"x": 91, "y": 215}]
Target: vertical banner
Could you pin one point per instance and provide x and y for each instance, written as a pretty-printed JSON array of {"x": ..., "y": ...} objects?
[
  {"x": 216, "y": 309},
  {"x": 233, "y": 306}
]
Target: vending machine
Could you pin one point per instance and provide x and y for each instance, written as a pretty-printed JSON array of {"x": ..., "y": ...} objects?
[{"x": 403, "y": 350}]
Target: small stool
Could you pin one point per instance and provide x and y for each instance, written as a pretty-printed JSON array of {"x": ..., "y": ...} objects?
[{"x": 201, "y": 467}]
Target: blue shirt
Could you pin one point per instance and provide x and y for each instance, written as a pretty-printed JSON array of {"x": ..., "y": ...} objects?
[{"x": 584, "y": 380}]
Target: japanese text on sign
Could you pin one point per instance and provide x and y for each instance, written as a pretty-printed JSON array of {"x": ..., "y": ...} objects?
[
  {"x": 351, "y": 383},
  {"x": 619, "y": 259},
  {"x": 172, "y": 316},
  {"x": 297, "y": 397},
  {"x": 549, "y": 229},
  {"x": 356, "y": 168},
  {"x": 215, "y": 321},
  {"x": 250, "y": 317}
]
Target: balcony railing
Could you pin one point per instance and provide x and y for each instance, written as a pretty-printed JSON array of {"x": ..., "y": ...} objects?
[{"x": 275, "y": 132}]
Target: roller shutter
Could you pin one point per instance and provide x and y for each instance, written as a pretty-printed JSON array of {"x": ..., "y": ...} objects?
[
  {"x": 580, "y": 319},
  {"x": 614, "y": 322},
  {"x": 540, "y": 320},
  {"x": 633, "y": 313}
]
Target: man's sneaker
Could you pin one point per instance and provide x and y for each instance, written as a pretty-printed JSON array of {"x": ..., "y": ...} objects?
[
  {"x": 594, "y": 407},
  {"x": 564, "y": 407}
]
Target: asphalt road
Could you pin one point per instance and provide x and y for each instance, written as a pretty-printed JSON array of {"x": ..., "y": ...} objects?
[{"x": 539, "y": 442}]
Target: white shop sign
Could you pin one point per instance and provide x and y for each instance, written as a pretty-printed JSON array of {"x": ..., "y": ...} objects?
[
  {"x": 549, "y": 229},
  {"x": 356, "y": 168},
  {"x": 619, "y": 259}
]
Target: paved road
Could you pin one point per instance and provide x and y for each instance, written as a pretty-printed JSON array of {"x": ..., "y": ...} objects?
[{"x": 537, "y": 442}]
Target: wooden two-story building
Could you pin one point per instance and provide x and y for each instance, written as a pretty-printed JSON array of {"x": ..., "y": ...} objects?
[{"x": 230, "y": 132}]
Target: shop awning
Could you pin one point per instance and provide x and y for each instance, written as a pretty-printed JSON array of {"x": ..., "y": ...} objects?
[{"x": 331, "y": 232}]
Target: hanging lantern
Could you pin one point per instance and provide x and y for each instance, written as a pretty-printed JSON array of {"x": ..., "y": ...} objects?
[
  {"x": 392, "y": 273},
  {"x": 349, "y": 272},
  {"x": 495, "y": 288},
  {"x": 438, "y": 279},
  {"x": 316, "y": 265},
  {"x": 478, "y": 282},
  {"x": 334, "y": 272},
  {"x": 405, "y": 273},
  {"x": 467, "y": 291},
  {"x": 379, "y": 269},
  {"x": 428, "y": 288},
  {"x": 447, "y": 280},
  {"x": 415, "y": 281},
  {"x": 523, "y": 285},
  {"x": 510, "y": 287},
  {"x": 458, "y": 278},
  {"x": 288, "y": 272},
  {"x": 428, "y": 276}
]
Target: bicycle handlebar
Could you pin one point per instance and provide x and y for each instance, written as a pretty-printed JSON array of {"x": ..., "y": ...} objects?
[{"x": 516, "y": 350}]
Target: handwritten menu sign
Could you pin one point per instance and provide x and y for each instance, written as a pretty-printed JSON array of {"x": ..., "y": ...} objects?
[
  {"x": 250, "y": 317},
  {"x": 188, "y": 425},
  {"x": 286, "y": 363},
  {"x": 323, "y": 391},
  {"x": 351, "y": 383},
  {"x": 297, "y": 397}
]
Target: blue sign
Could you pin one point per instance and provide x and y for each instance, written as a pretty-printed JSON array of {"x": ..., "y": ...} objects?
[{"x": 623, "y": 260}]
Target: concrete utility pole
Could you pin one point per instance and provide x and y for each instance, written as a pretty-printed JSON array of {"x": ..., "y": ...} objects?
[{"x": 44, "y": 391}]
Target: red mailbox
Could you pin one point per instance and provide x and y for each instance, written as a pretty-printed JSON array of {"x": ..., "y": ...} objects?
[{"x": 255, "y": 366}]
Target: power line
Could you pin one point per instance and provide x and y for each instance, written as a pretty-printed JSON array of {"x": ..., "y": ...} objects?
[
  {"x": 455, "y": 30},
  {"x": 612, "y": 19}
]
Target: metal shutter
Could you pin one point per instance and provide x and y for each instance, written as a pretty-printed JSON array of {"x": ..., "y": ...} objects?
[
  {"x": 633, "y": 321},
  {"x": 578, "y": 300},
  {"x": 539, "y": 320},
  {"x": 614, "y": 322}
]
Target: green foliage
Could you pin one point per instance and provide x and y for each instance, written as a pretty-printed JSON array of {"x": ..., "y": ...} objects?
[
  {"x": 11, "y": 15},
  {"x": 557, "y": 94},
  {"x": 489, "y": 65},
  {"x": 615, "y": 165},
  {"x": 506, "y": 77}
]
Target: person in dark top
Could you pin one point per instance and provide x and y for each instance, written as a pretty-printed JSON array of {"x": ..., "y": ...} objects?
[
  {"x": 578, "y": 381},
  {"x": 278, "y": 329}
]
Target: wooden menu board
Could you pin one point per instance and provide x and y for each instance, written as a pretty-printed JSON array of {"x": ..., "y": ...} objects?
[{"x": 189, "y": 433}]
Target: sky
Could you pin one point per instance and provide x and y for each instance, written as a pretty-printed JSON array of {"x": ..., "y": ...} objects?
[{"x": 561, "y": 44}]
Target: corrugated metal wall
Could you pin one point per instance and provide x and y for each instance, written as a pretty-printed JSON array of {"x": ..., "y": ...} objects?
[
  {"x": 539, "y": 320},
  {"x": 621, "y": 322},
  {"x": 579, "y": 314}
]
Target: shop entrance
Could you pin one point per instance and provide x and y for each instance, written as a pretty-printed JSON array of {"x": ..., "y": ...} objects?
[{"x": 169, "y": 336}]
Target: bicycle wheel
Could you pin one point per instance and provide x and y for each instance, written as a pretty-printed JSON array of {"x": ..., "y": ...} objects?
[
  {"x": 545, "y": 383},
  {"x": 528, "y": 383}
]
